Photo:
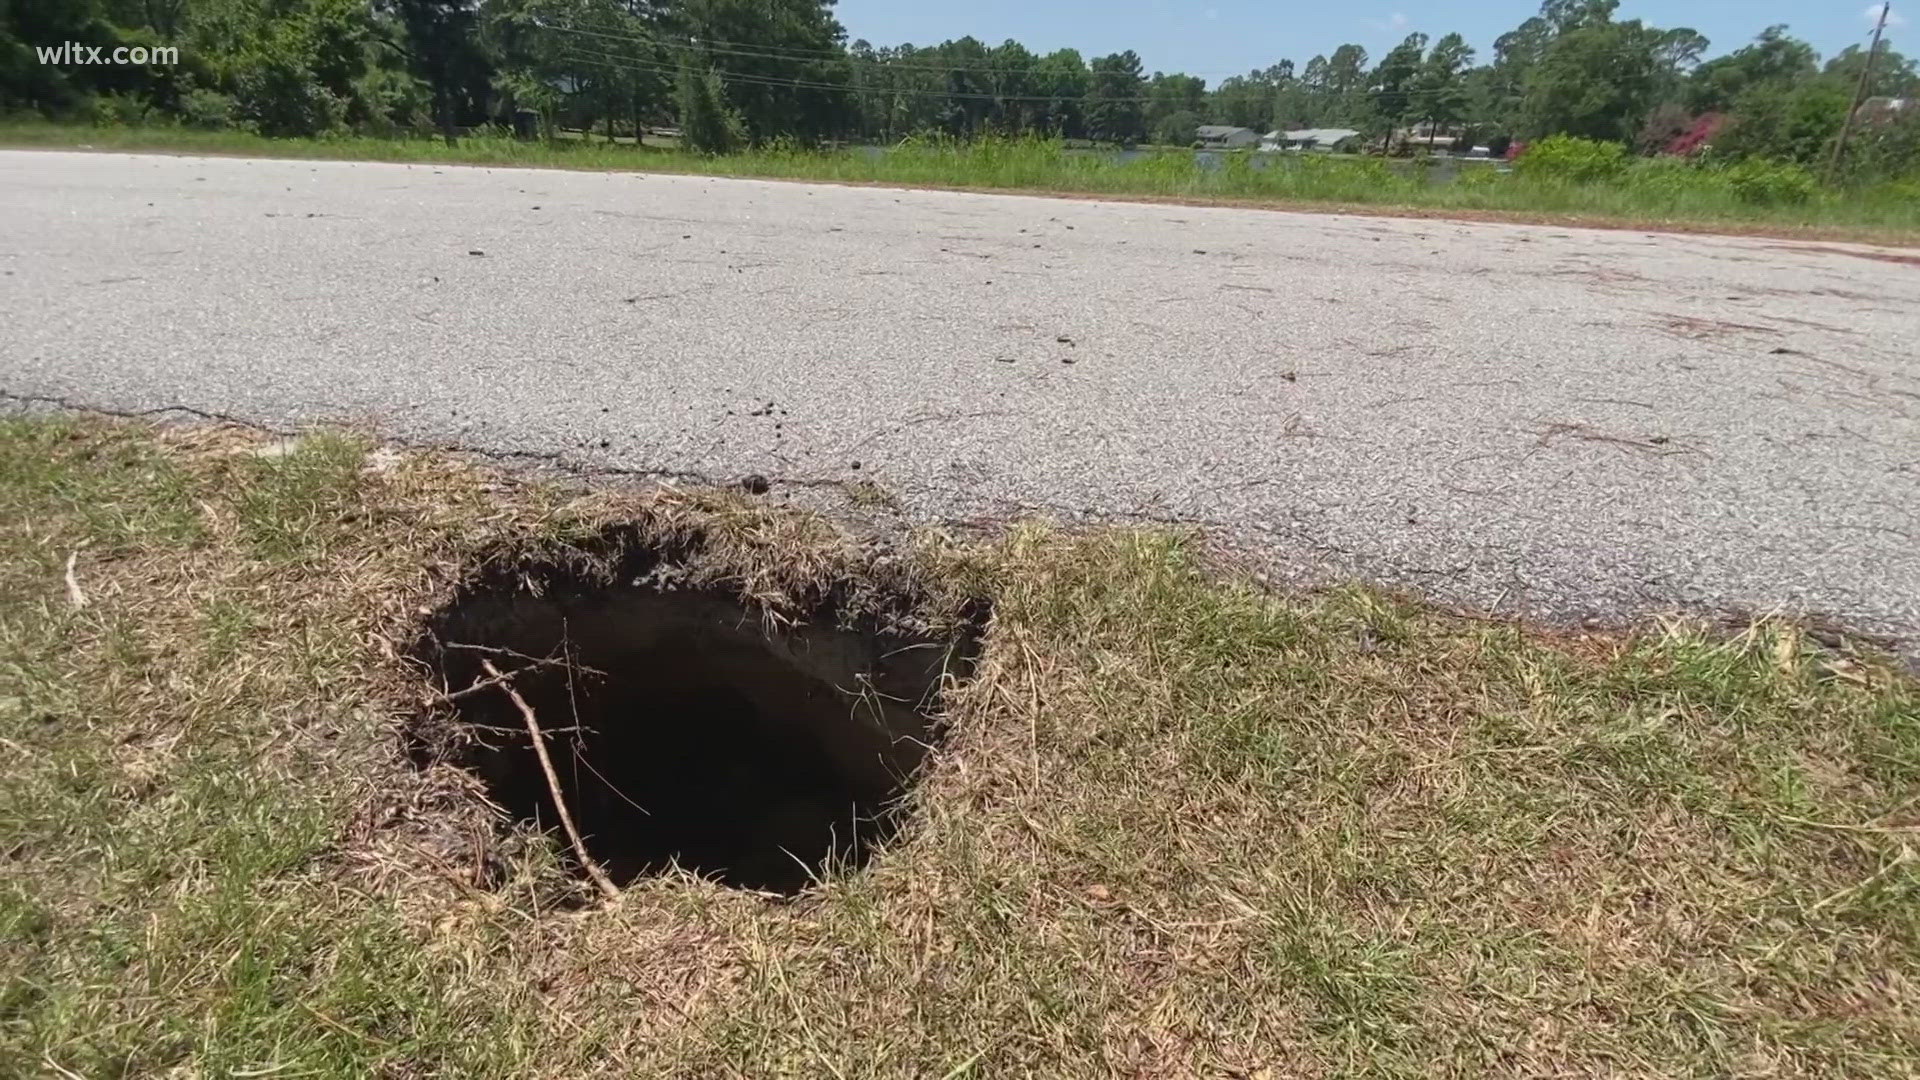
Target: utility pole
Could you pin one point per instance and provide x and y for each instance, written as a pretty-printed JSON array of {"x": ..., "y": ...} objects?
[{"x": 1860, "y": 91}]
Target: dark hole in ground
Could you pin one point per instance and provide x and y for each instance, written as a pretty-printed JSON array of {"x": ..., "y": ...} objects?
[{"x": 763, "y": 758}]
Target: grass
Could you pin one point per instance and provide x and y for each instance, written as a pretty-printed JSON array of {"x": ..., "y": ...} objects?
[
  {"x": 1182, "y": 826},
  {"x": 1885, "y": 213}
]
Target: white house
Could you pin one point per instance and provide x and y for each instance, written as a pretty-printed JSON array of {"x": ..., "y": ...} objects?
[
  {"x": 1221, "y": 137},
  {"x": 1307, "y": 138}
]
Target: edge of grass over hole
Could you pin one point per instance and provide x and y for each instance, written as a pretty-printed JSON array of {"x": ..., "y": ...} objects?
[{"x": 751, "y": 707}]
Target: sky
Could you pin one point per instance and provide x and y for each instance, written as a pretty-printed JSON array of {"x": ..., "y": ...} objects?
[{"x": 1218, "y": 38}]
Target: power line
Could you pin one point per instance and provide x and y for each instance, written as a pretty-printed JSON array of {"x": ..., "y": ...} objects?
[
  {"x": 707, "y": 46},
  {"x": 613, "y": 60},
  {"x": 845, "y": 52},
  {"x": 796, "y": 53},
  {"x": 1411, "y": 94},
  {"x": 807, "y": 54},
  {"x": 806, "y": 84}
]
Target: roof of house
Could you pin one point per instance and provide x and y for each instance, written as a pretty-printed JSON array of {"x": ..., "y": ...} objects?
[
  {"x": 1221, "y": 131},
  {"x": 1316, "y": 135}
]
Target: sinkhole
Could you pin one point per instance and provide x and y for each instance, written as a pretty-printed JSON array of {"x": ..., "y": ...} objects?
[{"x": 683, "y": 728}]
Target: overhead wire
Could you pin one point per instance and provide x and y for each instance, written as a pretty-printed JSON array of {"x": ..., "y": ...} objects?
[
  {"x": 717, "y": 46},
  {"x": 784, "y": 52}
]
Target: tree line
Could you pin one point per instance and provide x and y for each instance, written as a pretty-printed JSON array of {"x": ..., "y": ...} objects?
[{"x": 735, "y": 72}]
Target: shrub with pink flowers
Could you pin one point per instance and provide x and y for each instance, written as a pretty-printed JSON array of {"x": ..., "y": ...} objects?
[{"x": 1697, "y": 137}]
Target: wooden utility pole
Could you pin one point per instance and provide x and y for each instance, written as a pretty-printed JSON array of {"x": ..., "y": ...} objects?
[{"x": 1860, "y": 91}]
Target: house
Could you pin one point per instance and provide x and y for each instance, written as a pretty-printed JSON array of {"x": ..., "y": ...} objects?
[
  {"x": 1221, "y": 137},
  {"x": 1431, "y": 134},
  {"x": 1883, "y": 110},
  {"x": 1307, "y": 139}
]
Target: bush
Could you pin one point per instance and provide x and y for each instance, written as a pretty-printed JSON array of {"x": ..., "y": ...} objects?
[
  {"x": 1478, "y": 177},
  {"x": 708, "y": 123},
  {"x": 389, "y": 102},
  {"x": 1698, "y": 138},
  {"x": 1797, "y": 124},
  {"x": 1901, "y": 191},
  {"x": 1368, "y": 171},
  {"x": 1886, "y": 146},
  {"x": 1176, "y": 129},
  {"x": 1770, "y": 183},
  {"x": 116, "y": 110},
  {"x": 1572, "y": 159},
  {"x": 1673, "y": 177},
  {"x": 277, "y": 97},
  {"x": 206, "y": 109},
  {"x": 1324, "y": 176},
  {"x": 1167, "y": 170}
]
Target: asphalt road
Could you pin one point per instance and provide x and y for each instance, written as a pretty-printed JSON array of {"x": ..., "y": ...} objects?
[{"x": 1542, "y": 420}]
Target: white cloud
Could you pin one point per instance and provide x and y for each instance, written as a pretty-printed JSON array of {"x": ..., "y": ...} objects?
[
  {"x": 1392, "y": 24},
  {"x": 1872, "y": 15},
  {"x": 1213, "y": 13}
]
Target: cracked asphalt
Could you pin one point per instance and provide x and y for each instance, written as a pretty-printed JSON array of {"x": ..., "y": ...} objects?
[{"x": 1536, "y": 420}]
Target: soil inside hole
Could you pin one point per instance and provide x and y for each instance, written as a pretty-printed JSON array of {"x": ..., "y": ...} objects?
[{"x": 685, "y": 731}]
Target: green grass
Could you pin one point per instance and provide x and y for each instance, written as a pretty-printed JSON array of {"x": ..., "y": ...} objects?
[
  {"x": 1181, "y": 826},
  {"x": 1651, "y": 197}
]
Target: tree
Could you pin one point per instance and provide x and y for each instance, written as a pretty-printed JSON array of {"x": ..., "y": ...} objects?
[
  {"x": 1784, "y": 122},
  {"x": 781, "y": 62},
  {"x": 528, "y": 59},
  {"x": 1893, "y": 76},
  {"x": 1176, "y": 129},
  {"x": 969, "y": 88},
  {"x": 1676, "y": 55},
  {"x": 762, "y": 70},
  {"x": 25, "y": 83},
  {"x": 1242, "y": 101},
  {"x": 1885, "y": 145},
  {"x": 607, "y": 52},
  {"x": 1440, "y": 90},
  {"x": 295, "y": 79},
  {"x": 1597, "y": 82},
  {"x": 1114, "y": 113},
  {"x": 1774, "y": 59},
  {"x": 1259, "y": 99},
  {"x": 708, "y": 125},
  {"x": 1168, "y": 95},
  {"x": 1311, "y": 103},
  {"x": 1394, "y": 82},
  {"x": 1018, "y": 104},
  {"x": 897, "y": 91},
  {"x": 1679, "y": 50},
  {"x": 1515, "y": 54},
  {"x": 442, "y": 49},
  {"x": 1292, "y": 107},
  {"x": 1346, "y": 85},
  {"x": 1568, "y": 15},
  {"x": 1064, "y": 78}
]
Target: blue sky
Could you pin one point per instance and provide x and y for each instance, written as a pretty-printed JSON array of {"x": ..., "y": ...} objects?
[{"x": 1217, "y": 38}]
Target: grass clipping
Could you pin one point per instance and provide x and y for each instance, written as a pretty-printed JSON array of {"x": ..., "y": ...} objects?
[{"x": 1179, "y": 826}]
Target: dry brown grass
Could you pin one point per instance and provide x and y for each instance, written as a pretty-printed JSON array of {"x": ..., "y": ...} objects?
[{"x": 1181, "y": 826}]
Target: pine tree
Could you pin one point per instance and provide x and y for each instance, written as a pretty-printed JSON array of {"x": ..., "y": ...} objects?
[{"x": 708, "y": 125}]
